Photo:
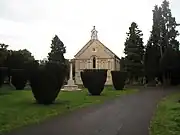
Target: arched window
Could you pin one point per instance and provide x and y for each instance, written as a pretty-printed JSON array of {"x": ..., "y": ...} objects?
[{"x": 94, "y": 62}]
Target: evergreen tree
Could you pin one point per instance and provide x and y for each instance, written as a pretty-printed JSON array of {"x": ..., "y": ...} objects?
[
  {"x": 153, "y": 52},
  {"x": 18, "y": 59},
  {"x": 162, "y": 40},
  {"x": 122, "y": 67},
  {"x": 57, "y": 54},
  {"x": 168, "y": 41},
  {"x": 168, "y": 28},
  {"x": 134, "y": 51},
  {"x": 57, "y": 51},
  {"x": 151, "y": 61}
]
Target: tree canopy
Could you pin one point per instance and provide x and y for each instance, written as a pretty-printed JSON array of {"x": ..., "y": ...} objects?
[
  {"x": 134, "y": 51},
  {"x": 57, "y": 51}
]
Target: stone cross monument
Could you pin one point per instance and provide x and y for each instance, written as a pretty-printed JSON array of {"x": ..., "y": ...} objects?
[{"x": 71, "y": 85}]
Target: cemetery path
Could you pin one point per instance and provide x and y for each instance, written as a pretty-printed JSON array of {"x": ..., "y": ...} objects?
[{"x": 127, "y": 115}]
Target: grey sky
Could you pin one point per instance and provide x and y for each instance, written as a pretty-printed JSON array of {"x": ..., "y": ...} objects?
[{"x": 32, "y": 24}]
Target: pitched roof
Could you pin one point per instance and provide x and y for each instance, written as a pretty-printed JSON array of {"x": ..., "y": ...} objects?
[
  {"x": 110, "y": 51},
  {"x": 89, "y": 43},
  {"x": 84, "y": 47}
]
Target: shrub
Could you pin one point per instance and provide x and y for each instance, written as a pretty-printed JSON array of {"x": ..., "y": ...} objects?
[
  {"x": 59, "y": 71},
  {"x": 19, "y": 78},
  {"x": 94, "y": 80},
  {"x": 3, "y": 74},
  {"x": 83, "y": 78},
  {"x": 118, "y": 79},
  {"x": 29, "y": 67},
  {"x": 46, "y": 82}
]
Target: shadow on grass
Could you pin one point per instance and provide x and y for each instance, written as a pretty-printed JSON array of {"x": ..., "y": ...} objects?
[
  {"x": 61, "y": 102},
  {"x": 57, "y": 102},
  {"x": 101, "y": 95},
  {"x": 4, "y": 93}
]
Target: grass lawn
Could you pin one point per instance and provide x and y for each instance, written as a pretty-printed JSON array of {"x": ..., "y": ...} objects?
[
  {"x": 18, "y": 108},
  {"x": 167, "y": 118}
]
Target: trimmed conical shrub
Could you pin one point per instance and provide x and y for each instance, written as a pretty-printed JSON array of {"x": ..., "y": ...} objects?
[
  {"x": 94, "y": 80},
  {"x": 83, "y": 78},
  {"x": 19, "y": 78},
  {"x": 118, "y": 79},
  {"x": 46, "y": 82}
]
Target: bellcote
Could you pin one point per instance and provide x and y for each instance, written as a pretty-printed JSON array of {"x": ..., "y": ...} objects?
[{"x": 94, "y": 34}]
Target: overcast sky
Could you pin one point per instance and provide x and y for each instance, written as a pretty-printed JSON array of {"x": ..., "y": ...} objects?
[{"x": 32, "y": 24}]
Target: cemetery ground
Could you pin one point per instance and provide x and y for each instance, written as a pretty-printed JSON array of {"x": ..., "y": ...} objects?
[
  {"x": 167, "y": 117},
  {"x": 18, "y": 108},
  {"x": 125, "y": 115}
]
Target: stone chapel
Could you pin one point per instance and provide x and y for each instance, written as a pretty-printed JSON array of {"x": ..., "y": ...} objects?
[{"x": 95, "y": 55}]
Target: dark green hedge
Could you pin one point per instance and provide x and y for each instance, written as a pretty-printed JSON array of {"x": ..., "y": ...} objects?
[
  {"x": 19, "y": 78},
  {"x": 46, "y": 82},
  {"x": 118, "y": 79},
  {"x": 83, "y": 78},
  {"x": 3, "y": 74},
  {"x": 94, "y": 80}
]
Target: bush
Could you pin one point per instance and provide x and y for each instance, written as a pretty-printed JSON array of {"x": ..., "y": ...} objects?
[
  {"x": 30, "y": 66},
  {"x": 118, "y": 79},
  {"x": 3, "y": 74},
  {"x": 83, "y": 78},
  {"x": 59, "y": 71},
  {"x": 46, "y": 82},
  {"x": 94, "y": 80},
  {"x": 19, "y": 78}
]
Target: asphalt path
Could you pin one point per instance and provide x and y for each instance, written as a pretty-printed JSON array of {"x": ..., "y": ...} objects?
[{"x": 126, "y": 115}]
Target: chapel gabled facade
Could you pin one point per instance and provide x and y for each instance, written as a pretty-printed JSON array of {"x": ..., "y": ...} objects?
[{"x": 95, "y": 55}]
